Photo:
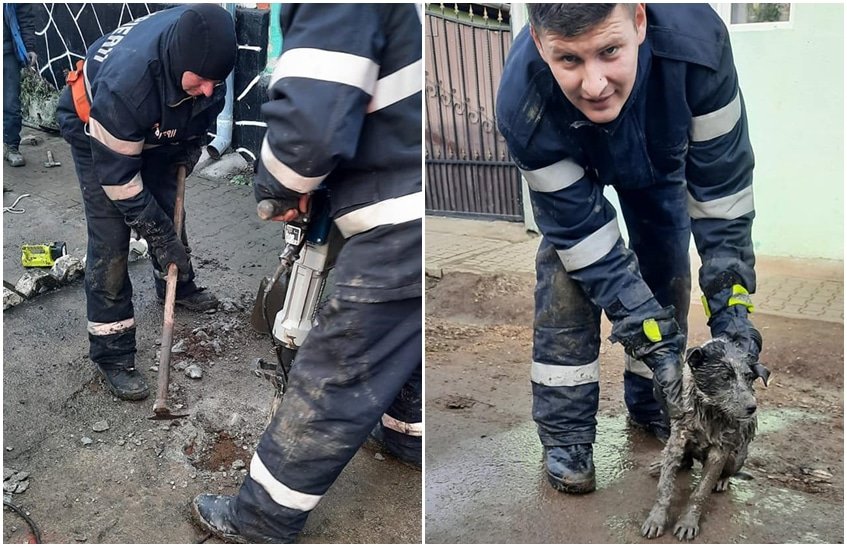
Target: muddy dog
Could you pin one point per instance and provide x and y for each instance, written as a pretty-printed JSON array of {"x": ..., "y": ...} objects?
[{"x": 719, "y": 423}]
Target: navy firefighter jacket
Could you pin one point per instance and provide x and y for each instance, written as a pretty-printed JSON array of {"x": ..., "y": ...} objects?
[
  {"x": 684, "y": 123},
  {"x": 137, "y": 103},
  {"x": 345, "y": 112}
]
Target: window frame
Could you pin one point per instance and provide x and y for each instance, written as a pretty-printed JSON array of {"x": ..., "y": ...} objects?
[{"x": 724, "y": 10}]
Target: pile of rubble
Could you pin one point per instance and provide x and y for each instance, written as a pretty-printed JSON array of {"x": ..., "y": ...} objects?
[{"x": 65, "y": 270}]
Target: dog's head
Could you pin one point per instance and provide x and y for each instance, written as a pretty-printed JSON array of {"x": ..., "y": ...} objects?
[{"x": 724, "y": 376}]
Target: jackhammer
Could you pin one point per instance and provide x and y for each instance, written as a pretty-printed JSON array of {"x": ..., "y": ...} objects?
[{"x": 288, "y": 301}]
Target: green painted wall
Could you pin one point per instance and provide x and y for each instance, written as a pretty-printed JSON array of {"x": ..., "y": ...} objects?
[{"x": 793, "y": 85}]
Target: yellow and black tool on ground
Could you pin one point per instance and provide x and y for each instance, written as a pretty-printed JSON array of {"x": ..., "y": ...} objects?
[{"x": 43, "y": 255}]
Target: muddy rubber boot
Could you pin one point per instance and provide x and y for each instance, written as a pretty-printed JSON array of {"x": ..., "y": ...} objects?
[
  {"x": 125, "y": 382},
  {"x": 377, "y": 442},
  {"x": 570, "y": 469},
  {"x": 658, "y": 428},
  {"x": 14, "y": 156},
  {"x": 216, "y": 515}
]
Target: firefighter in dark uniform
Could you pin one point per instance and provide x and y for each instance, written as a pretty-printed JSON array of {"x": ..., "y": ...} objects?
[
  {"x": 645, "y": 100},
  {"x": 140, "y": 107},
  {"x": 18, "y": 51},
  {"x": 345, "y": 112}
]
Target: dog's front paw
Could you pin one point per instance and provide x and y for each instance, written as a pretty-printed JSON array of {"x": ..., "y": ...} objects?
[
  {"x": 722, "y": 485},
  {"x": 655, "y": 524},
  {"x": 687, "y": 526}
]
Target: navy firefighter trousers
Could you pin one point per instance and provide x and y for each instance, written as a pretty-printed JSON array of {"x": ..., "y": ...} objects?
[
  {"x": 566, "y": 343},
  {"x": 108, "y": 290},
  {"x": 359, "y": 367}
]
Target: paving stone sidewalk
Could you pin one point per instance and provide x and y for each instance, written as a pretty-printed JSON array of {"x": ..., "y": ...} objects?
[{"x": 798, "y": 288}]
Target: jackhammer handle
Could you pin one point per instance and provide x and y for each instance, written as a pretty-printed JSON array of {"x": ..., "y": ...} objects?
[{"x": 269, "y": 208}]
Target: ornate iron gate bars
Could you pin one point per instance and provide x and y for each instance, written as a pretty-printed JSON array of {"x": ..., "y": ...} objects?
[{"x": 468, "y": 168}]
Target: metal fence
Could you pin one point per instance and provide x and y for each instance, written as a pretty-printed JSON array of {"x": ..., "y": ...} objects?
[{"x": 468, "y": 168}]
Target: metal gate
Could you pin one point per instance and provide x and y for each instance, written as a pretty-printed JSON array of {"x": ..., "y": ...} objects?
[{"x": 468, "y": 168}]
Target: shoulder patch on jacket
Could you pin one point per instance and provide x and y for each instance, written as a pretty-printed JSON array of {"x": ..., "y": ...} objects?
[{"x": 693, "y": 33}]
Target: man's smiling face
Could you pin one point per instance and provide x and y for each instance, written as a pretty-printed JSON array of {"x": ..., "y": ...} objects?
[{"x": 596, "y": 69}]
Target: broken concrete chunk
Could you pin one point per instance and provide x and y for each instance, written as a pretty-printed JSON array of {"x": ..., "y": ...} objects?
[
  {"x": 238, "y": 464},
  {"x": 100, "y": 426},
  {"x": 230, "y": 306},
  {"x": 8, "y": 472},
  {"x": 20, "y": 476},
  {"x": 137, "y": 249},
  {"x": 67, "y": 269},
  {"x": 179, "y": 347},
  {"x": 10, "y": 298},
  {"x": 21, "y": 487},
  {"x": 36, "y": 281},
  {"x": 194, "y": 372},
  {"x": 86, "y": 441}
]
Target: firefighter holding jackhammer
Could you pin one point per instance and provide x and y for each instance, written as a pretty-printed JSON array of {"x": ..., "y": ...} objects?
[
  {"x": 645, "y": 99},
  {"x": 137, "y": 108},
  {"x": 344, "y": 112}
]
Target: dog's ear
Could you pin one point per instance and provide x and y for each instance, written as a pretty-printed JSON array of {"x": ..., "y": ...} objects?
[
  {"x": 694, "y": 357},
  {"x": 762, "y": 372}
]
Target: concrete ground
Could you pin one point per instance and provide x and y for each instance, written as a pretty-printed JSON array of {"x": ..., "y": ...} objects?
[
  {"x": 485, "y": 480},
  {"x": 134, "y": 481}
]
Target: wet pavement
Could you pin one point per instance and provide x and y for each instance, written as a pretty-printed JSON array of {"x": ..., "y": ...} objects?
[{"x": 485, "y": 479}]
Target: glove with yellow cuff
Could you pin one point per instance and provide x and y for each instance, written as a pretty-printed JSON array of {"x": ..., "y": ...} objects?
[{"x": 728, "y": 310}]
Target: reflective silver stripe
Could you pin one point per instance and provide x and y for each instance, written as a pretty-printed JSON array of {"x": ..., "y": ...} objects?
[
  {"x": 87, "y": 83},
  {"x": 413, "y": 430},
  {"x": 104, "y": 329},
  {"x": 381, "y": 213},
  {"x": 554, "y": 177},
  {"x": 278, "y": 492},
  {"x": 395, "y": 87},
  {"x": 727, "y": 207},
  {"x": 125, "y": 191},
  {"x": 560, "y": 375},
  {"x": 637, "y": 367},
  {"x": 714, "y": 124},
  {"x": 592, "y": 248},
  {"x": 329, "y": 66},
  {"x": 127, "y": 148},
  {"x": 285, "y": 175}
]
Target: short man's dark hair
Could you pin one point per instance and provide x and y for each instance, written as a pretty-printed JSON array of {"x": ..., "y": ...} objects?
[{"x": 570, "y": 20}]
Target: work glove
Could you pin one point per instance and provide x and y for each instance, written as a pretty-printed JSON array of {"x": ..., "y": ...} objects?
[
  {"x": 32, "y": 59},
  {"x": 666, "y": 364},
  {"x": 732, "y": 322},
  {"x": 659, "y": 343},
  {"x": 188, "y": 155},
  {"x": 281, "y": 204},
  {"x": 158, "y": 229}
]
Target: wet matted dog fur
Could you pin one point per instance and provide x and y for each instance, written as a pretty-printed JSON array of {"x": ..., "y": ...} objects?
[{"x": 719, "y": 423}]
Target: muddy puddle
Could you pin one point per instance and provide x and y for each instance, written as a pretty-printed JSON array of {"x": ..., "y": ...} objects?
[{"x": 485, "y": 477}]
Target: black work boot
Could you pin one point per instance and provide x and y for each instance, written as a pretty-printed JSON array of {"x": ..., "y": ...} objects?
[
  {"x": 407, "y": 455},
  {"x": 14, "y": 156},
  {"x": 197, "y": 300},
  {"x": 216, "y": 515},
  {"x": 124, "y": 381},
  {"x": 570, "y": 469}
]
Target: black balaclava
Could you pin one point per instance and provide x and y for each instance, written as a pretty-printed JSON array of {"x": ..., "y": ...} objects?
[{"x": 204, "y": 43}]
